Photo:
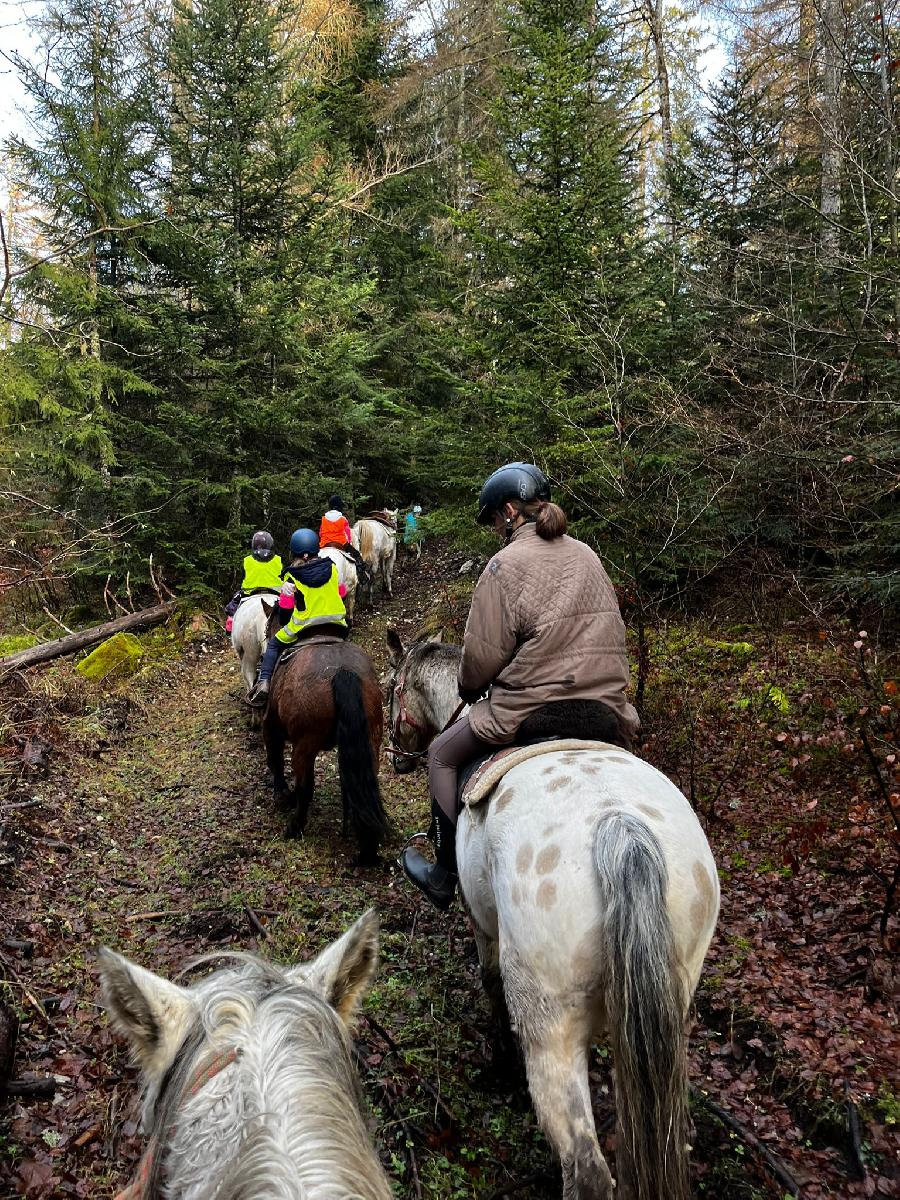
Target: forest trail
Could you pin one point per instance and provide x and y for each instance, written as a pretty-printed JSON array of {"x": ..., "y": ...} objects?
[{"x": 158, "y": 836}]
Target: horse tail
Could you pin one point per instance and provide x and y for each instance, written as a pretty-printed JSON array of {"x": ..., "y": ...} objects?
[
  {"x": 365, "y": 539},
  {"x": 646, "y": 1004},
  {"x": 359, "y": 778}
]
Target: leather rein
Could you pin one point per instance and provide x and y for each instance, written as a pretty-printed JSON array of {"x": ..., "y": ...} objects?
[{"x": 404, "y": 718}]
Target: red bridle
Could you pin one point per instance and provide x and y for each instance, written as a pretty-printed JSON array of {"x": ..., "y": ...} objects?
[{"x": 404, "y": 718}]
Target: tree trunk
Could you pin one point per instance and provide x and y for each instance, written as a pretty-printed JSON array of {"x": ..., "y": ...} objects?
[
  {"x": 832, "y": 146},
  {"x": 87, "y": 637},
  {"x": 655, "y": 22}
]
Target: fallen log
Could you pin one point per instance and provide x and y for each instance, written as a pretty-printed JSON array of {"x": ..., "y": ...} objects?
[{"x": 87, "y": 637}]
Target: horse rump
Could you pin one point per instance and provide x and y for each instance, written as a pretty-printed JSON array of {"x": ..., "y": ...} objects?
[
  {"x": 646, "y": 1004},
  {"x": 359, "y": 779}
]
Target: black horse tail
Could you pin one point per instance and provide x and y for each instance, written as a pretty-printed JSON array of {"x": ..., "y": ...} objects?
[{"x": 359, "y": 779}]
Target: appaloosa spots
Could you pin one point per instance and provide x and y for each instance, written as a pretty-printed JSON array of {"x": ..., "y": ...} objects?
[
  {"x": 503, "y": 799},
  {"x": 704, "y": 902},
  {"x": 599, "y": 763},
  {"x": 549, "y": 830},
  {"x": 556, "y": 785},
  {"x": 515, "y": 894},
  {"x": 546, "y": 894},
  {"x": 547, "y": 859},
  {"x": 524, "y": 857},
  {"x": 649, "y": 811}
]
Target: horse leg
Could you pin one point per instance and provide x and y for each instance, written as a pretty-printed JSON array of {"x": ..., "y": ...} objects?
[
  {"x": 304, "y": 765},
  {"x": 556, "y": 1039},
  {"x": 387, "y": 571},
  {"x": 274, "y": 741},
  {"x": 509, "y": 1061}
]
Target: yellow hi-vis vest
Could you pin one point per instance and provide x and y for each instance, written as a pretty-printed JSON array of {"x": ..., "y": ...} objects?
[
  {"x": 261, "y": 574},
  {"x": 321, "y": 606}
]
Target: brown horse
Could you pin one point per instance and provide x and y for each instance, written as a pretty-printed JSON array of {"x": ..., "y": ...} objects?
[{"x": 328, "y": 695}]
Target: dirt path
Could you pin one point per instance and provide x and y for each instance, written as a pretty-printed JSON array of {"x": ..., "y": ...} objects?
[{"x": 161, "y": 840}]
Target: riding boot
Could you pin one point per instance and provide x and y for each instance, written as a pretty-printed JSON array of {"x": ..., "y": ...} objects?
[
  {"x": 438, "y": 879},
  {"x": 260, "y": 694}
]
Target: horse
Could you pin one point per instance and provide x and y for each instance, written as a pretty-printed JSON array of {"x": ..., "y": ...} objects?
[
  {"x": 249, "y": 1088},
  {"x": 593, "y": 896},
  {"x": 248, "y": 634},
  {"x": 377, "y": 543},
  {"x": 328, "y": 694},
  {"x": 348, "y": 575}
]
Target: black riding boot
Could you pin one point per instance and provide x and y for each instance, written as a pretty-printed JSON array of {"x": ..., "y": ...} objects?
[{"x": 438, "y": 879}]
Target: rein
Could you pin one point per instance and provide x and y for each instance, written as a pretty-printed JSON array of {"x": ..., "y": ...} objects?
[
  {"x": 403, "y": 718},
  {"x": 207, "y": 1070}
]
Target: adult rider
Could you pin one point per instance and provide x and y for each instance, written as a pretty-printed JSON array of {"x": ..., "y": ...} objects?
[{"x": 544, "y": 626}]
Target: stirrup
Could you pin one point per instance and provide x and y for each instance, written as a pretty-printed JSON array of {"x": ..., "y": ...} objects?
[{"x": 409, "y": 841}]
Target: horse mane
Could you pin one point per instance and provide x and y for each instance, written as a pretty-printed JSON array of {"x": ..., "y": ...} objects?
[{"x": 292, "y": 1056}]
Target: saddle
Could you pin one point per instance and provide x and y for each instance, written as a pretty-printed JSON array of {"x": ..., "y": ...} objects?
[
  {"x": 383, "y": 519},
  {"x": 563, "y": 725},
  {"x": 311, "y": 639}
]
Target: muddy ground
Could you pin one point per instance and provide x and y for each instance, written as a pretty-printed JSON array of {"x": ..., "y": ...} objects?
[{"x": 143, "y": 820}]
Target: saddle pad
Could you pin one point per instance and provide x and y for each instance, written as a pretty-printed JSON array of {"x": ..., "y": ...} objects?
[
  {"x": 489, "y": 774},
  {"x": 321, "y": 639}
]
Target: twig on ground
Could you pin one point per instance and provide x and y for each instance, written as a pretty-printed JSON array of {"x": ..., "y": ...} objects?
[
  {"x": 19, "y": 804},
  {"x": 775, "y": 1165},
  {"x": 255, "y": 922},
  {"x": 30, "y": 996},
  {"x": 38, "y": 1089},
  {"x": 386, "y": 1037},
  {"x": 855, "y": 1134}
]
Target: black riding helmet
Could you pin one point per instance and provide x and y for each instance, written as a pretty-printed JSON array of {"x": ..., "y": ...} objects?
[
  {"x": 262, "y": 546},
  {"x": 516, "y": 481}
]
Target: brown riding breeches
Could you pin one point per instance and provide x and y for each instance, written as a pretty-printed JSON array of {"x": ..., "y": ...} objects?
[{"x": 449, "y": 751}]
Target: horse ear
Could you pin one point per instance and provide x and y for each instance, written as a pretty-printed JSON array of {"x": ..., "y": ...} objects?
[
  {"x": 151, "y": 1012},
  {"x": 343, "y": 971},
  {"x": 396, "y": 648},
  {"x": 437, "y": 637},
  {"x": 268, "y": 609}
]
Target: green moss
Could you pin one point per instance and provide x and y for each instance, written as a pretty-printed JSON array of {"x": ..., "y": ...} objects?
[
  {"x": 13, "y": 643},
  {"x": 118, "y": 655}
]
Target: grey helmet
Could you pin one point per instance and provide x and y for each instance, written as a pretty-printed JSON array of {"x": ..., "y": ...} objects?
[
  {"x": 516, "y": 481},
  {"x": 262, "y": 546}
]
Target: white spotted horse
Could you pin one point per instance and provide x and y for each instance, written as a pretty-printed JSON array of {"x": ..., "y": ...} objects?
[{"x": 593, "y": 895}]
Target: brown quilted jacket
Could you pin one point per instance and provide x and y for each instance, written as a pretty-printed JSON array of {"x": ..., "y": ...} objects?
[{"x": 544, "y": 625}]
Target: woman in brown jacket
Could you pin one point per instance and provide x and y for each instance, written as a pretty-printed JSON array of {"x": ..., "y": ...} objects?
[{"x": 544, "y": 626}]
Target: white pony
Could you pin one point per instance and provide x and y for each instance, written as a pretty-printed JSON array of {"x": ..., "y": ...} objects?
[
  {"x": 347, "y": 575},
  {"x": 594, "y": 896},
  {"x": 248, "y": 633},
  {"x": 249, "y": 1087},
  {"x": 377, "y": 543}
]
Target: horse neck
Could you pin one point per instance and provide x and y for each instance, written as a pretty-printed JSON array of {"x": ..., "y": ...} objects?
[{"x": 440, "y": 691}]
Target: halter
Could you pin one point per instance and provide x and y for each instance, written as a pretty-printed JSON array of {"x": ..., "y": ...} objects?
[
  {"x": 404, "y": 718},
  {"x": 207, "y": 1070}
]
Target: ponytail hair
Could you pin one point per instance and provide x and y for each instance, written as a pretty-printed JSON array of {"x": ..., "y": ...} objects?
[{"x": 549, "y": 519}]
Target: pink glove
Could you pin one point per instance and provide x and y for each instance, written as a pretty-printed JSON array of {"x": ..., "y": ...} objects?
[
  {"x": 286, "y": 596},
  {"x": 342, "y": 590}
]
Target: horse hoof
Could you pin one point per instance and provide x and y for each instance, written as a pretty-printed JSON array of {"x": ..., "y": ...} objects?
[
  {"x": 295, "y": 829},
  {"x": 282, "y": 797}
]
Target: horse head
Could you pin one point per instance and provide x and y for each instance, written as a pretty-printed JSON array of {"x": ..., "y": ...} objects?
[
  {"x": 248, "y": 1072},
  {"x": 421, "y": 684}
]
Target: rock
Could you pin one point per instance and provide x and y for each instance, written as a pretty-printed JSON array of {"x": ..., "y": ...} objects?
[{"x": 466, "y": 567}]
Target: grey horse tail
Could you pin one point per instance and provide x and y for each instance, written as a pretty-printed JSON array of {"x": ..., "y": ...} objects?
[
  {"x": 359, "y": 778},
  {"x": 646, "y": 1004}
]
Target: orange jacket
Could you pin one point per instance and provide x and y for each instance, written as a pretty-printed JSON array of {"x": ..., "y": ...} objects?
[{"x": 335, "y": 529}]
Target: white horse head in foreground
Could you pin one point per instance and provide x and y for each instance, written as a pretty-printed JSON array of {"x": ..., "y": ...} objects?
[
  {"x": 377, "y": 543},
  {"x": 594, "y": 896},
  {"x": 248, "y": 633},
  {"x": 347, "y": 575},
  {"x": 249, "y": 1088}
]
